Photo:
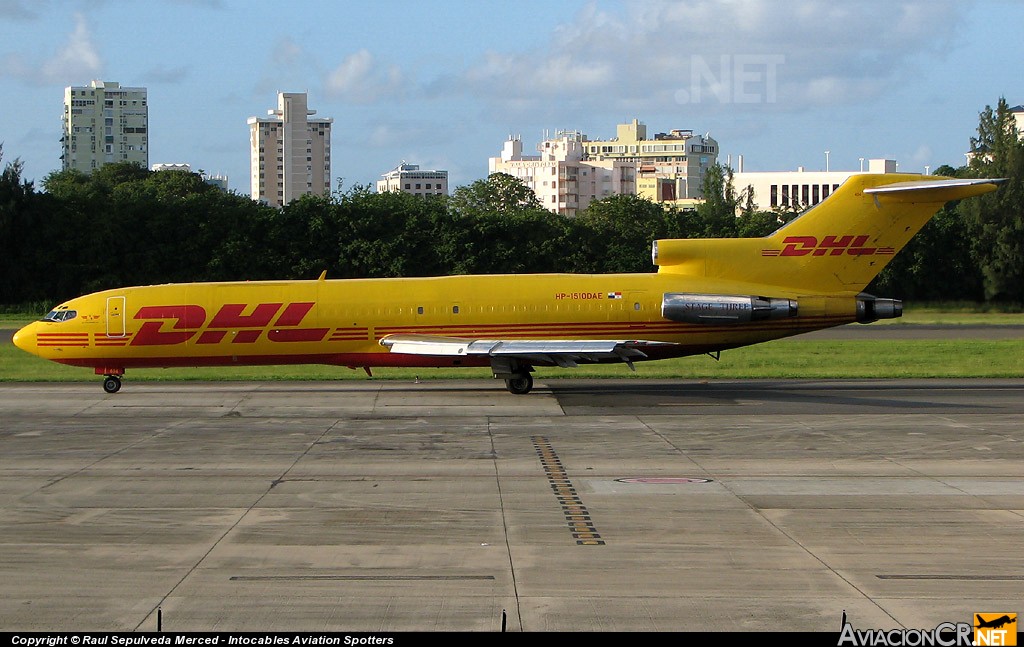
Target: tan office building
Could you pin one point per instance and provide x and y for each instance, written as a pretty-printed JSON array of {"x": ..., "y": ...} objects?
[
  {"x": 290, "y": 154},
  {"x": 670, "y": 166}
]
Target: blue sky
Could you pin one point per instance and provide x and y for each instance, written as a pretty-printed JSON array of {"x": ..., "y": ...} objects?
[{"x": 443, "y": 84}]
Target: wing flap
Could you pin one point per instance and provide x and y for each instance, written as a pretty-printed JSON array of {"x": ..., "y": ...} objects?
[{"x": 567, "y": 353}]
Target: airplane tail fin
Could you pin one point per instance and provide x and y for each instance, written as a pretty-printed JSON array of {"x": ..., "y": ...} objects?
[{"x": 839, "y": 245}]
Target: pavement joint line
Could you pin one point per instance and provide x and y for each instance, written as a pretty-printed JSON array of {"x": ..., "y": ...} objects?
[
  {"x": 96, "y": 462},
  {"x": 504, "y": 524},
  {"x": 234, "y": 525},
  {"x": 360, "y": 578},
  {"x": 760, "y": 513}
]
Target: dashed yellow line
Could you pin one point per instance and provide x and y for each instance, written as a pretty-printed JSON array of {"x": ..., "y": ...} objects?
[{"x": 577, "y": 516}]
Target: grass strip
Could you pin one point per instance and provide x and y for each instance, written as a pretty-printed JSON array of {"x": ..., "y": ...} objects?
[{"x": 791, "y": 358}]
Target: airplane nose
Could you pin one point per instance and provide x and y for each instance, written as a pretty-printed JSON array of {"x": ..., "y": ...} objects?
[{"x": 25, "y": 339}]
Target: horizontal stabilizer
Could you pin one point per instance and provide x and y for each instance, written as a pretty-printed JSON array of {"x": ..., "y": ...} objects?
[{"x": 937, "y": 190}]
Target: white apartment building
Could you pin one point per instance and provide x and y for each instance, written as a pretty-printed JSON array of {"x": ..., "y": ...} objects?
[
  {"x": 1017, "y": 114},
  {"x": 219, "y": 181},
  {"x": 1018, "y": 118},
  {"x": 289, "y": 153},
  {"x": 572, "y": 171},
  {"x": 104, "y": 123},
  {"x": 561, "y": 177},
  {"x": 798, "y": 189},
  {"x": 408, "y": 178}
]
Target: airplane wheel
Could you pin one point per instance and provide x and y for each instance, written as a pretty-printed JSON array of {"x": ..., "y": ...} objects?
[
  {"x": 112, "y": 384},
  {"x": 520, "y": 385}
]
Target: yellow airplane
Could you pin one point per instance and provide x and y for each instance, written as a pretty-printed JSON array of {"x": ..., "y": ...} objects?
[{"x": 707, "y": 296}]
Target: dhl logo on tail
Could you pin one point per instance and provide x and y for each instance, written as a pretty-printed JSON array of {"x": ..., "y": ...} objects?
[{"x": 830, "y": 245}]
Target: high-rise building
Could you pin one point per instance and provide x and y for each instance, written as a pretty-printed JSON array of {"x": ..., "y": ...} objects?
[
  {"x": 563, "y": 180},
  {"x": 572, "y": 170},
  {"x": 290, "y": 154},
  {"x": 104, "y": 123},
  {"x": 408, "y": 178},
  {"x": 674, "y": 162}
]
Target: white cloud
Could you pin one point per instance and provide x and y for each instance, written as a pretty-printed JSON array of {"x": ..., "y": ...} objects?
[
  {"x": 360, "y": 79},
  {"x": 76, "y": 59},
  {"x": 13, "y": 65},
  {"x": 921, "y": 156},
  {"x": 351, "y": 73},
  {"x": 390, "y": 132},
  {"x": 166, "y": 74},
  {"x": 288, "y": 51},
  {"x": 288, "y": 67},
  {"x": 18, "y": 10},
  {"x": 792, "y": 54}
]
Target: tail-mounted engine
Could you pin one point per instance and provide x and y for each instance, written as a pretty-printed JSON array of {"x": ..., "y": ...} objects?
[
  {"x": 871, "y": 309},
  {"x": 724, "y": 308}
]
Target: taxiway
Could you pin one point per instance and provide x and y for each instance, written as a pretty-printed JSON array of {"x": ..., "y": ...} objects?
[{"x": 603, "y": 505}]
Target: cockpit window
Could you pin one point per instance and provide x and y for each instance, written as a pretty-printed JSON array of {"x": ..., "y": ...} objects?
[{"x": 60, "y": 315}]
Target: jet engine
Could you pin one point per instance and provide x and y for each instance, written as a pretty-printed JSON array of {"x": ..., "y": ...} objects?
[
  {"x": 871, "y": 309},
  {"x": 724, "y": 308}
]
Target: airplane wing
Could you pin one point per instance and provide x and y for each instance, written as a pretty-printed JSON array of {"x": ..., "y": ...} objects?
[{"x": 567, "y": 353}]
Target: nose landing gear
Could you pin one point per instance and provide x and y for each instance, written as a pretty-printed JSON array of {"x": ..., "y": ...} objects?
[
  {"x": 112, "y": 384},
  {"x": 111, "y": 378}
]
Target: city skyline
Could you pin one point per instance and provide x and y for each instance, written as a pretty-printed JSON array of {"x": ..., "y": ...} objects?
[{"x": 806, "y": 83}]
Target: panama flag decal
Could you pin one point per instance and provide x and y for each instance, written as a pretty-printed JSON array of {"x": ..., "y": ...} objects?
[{"x": 614, "y": 295}]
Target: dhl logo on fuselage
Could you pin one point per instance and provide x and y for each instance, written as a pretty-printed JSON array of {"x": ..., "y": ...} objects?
[
  {"x": 829, "y": 245},
  {"x": 189, "y": 320}
]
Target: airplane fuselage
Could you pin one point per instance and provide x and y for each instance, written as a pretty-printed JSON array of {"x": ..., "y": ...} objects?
[{"x": 341, "y": 322}]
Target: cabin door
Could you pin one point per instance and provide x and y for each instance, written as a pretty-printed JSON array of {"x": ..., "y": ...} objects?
[{"x": 115, "y": 316}]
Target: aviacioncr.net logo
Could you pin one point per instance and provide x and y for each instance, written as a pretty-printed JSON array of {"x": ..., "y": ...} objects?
[
  {"x": 995, "y": 629},
  {"x": 946, "y": 634}
]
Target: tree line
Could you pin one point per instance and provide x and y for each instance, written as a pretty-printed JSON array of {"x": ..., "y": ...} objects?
[{"x": 125, "y": 225}]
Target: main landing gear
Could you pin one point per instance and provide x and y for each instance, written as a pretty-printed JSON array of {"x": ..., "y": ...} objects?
[
  {"x": 515, "y": 373},
  {"x": 520, "y": 385}
]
